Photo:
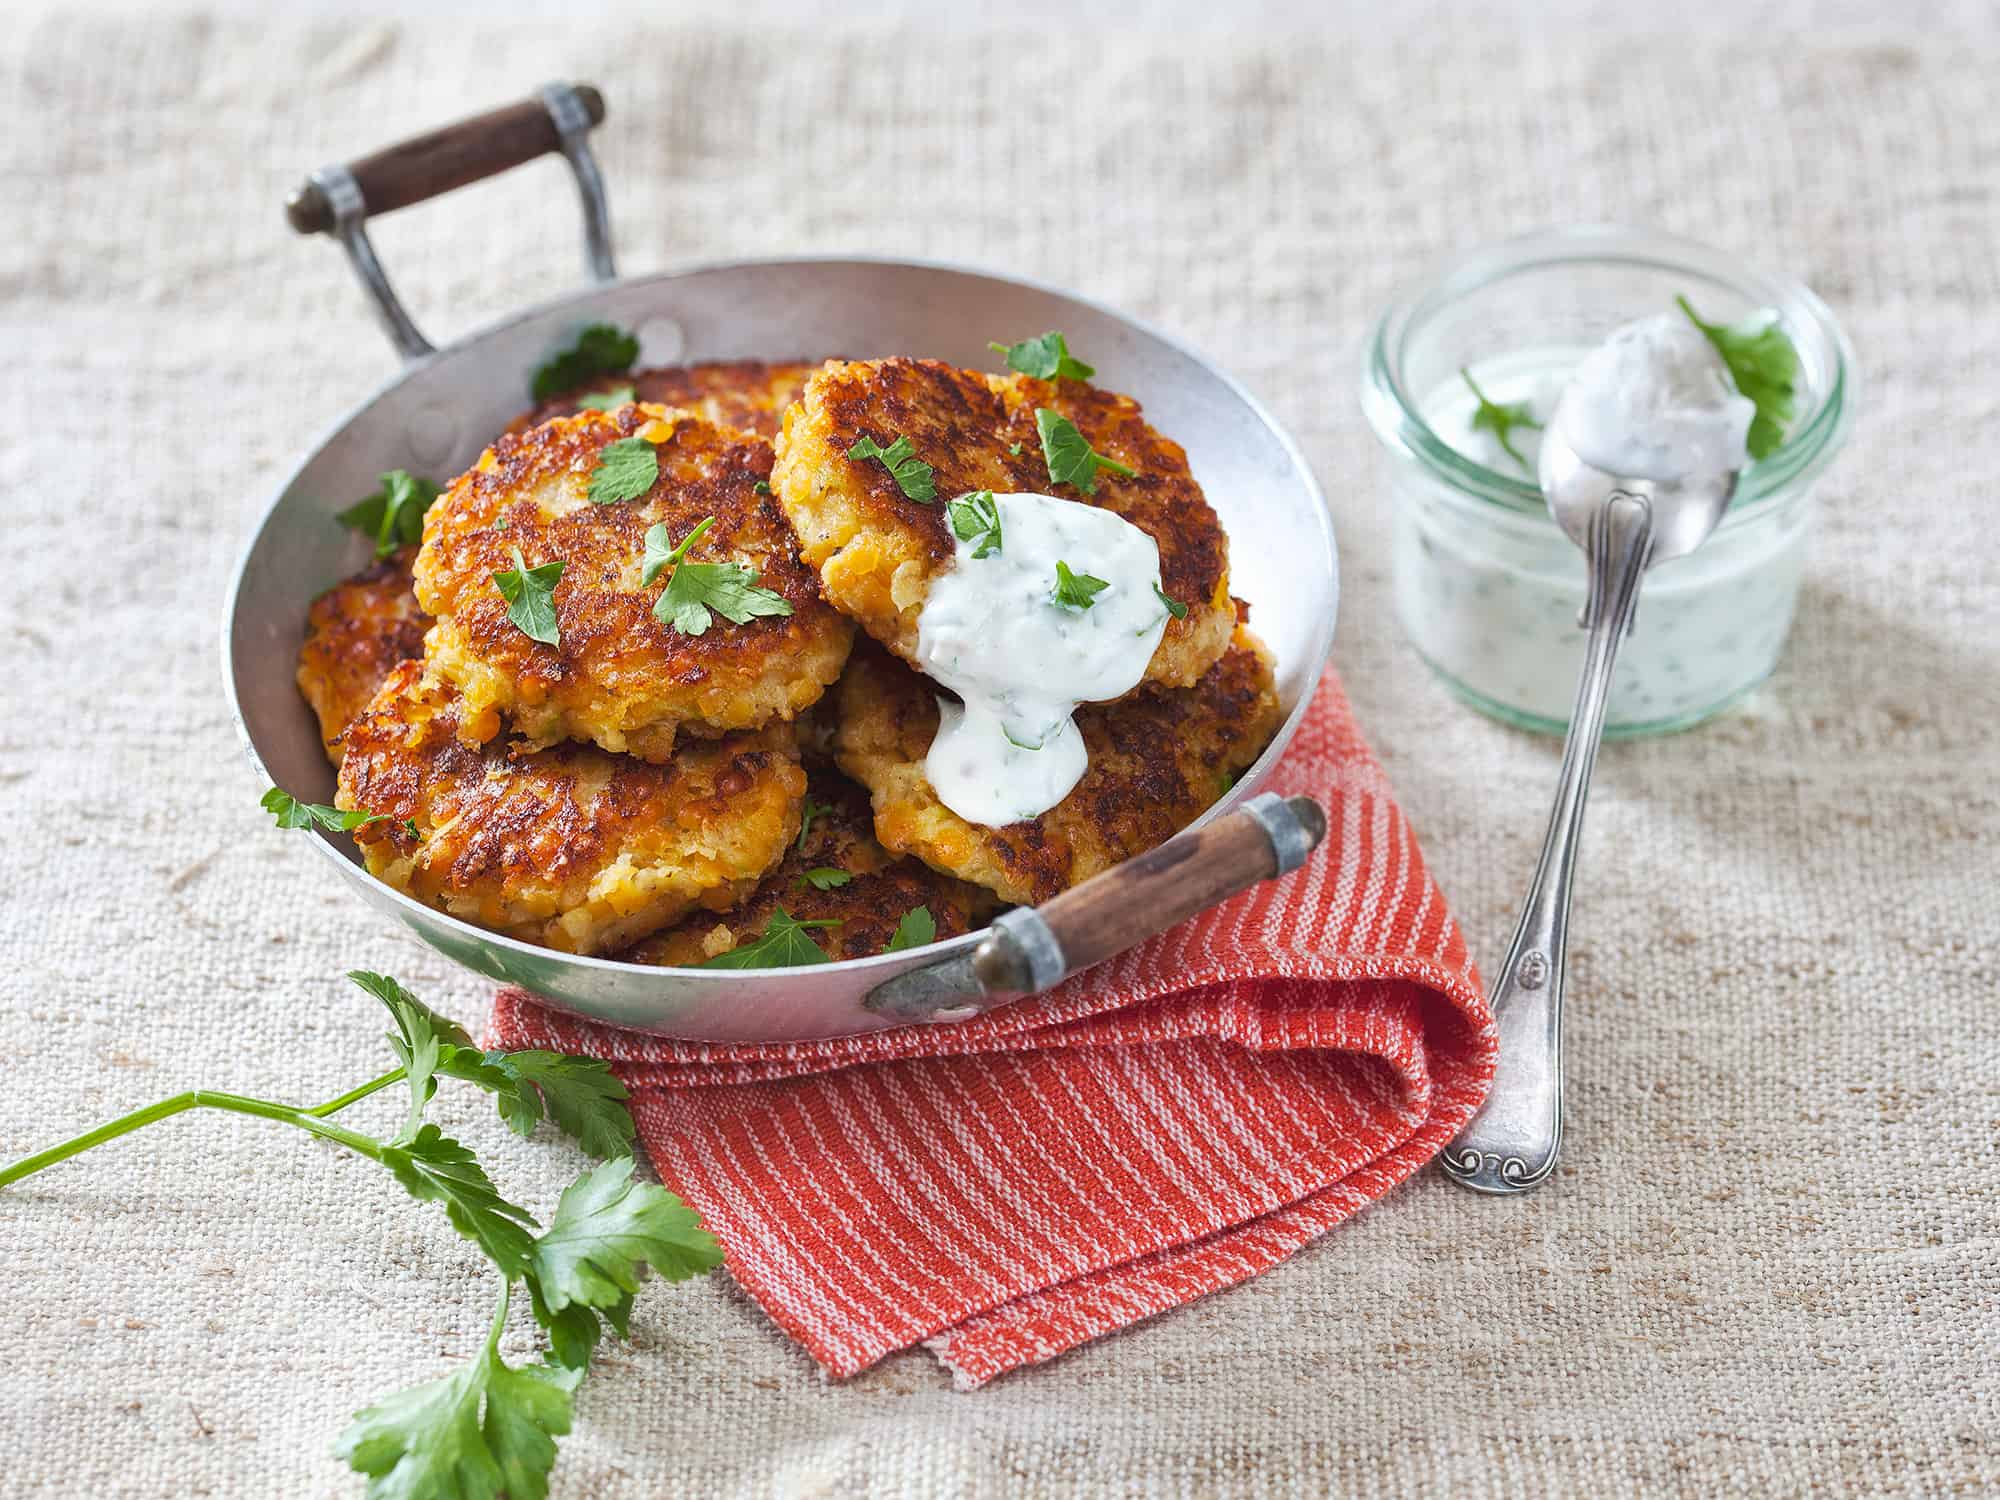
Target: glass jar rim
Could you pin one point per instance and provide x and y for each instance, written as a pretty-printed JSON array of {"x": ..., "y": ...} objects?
[{"x": 1393, "y": 411}]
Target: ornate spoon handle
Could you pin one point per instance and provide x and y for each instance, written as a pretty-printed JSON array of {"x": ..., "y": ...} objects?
[{"x": 1511, "y": 1144}]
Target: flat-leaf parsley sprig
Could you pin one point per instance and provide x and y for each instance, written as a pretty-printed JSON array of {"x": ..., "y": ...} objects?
[
  {"x": 488, "y": 1427},
  {"x": 912, "y": 474}
]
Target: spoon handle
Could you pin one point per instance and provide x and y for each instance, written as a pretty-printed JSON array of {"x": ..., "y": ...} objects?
[{"x": 1510, "y": 1146}]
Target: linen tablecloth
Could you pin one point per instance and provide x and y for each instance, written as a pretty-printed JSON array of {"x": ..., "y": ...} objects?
[{"x": 1771, "y": 1258}]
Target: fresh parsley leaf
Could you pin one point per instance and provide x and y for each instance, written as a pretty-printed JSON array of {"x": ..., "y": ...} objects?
[
  {"x": 762, "y": 486},
  {"x": 289, "y": 812},
  {"x": 1045, "y": 358},
  {"x": 625, "y": 470},
  {"x": 810, "y": 811},
  {"x": 917, "y": 928},
  {"x": 825, "y": 878},
  {"x": 976, "y": 518},
  {"x": 912, "y": 475},
  {"x": 394, "y": 514},
  {"x": 1075, "y": 590},
  {"x": 662, "y": 551},
  {"x": 1014, "y": 449},
  {"x": 410, "y": 827},
  {"x": 580, "y": 1094},
  {"x": 531, "y": 598},
  {"x": 611, "y": 400},
  {"x": 606, "y": 1226},
  {"x": 727, "y": 589},
  {"x": 1071, "y": 460},
  {"x": 1174, "y": 606},
  {"x": 433, "y": 1166},
  {"x": 784, "y": 945},
  {"x": 1500, "y": 419},
  {"x": 482, "y": 1430},
  {"x": 1764, "y": 366},
  {"x": 601, "y": 349},
  {"x": 422, "y": 1038}
]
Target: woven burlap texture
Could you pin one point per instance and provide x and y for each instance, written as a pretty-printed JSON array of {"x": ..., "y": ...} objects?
[{"x": 1771, "y": 1260}]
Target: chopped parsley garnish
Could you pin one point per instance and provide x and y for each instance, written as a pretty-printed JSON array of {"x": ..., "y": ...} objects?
[
  {"x": 917, "y": 928},
  {"x": 394, "y": 514},
  {"x": 783, "y": 945},
  {"x": 912, "y": 474},
  {"x": 1076, "y": 590},
  {"x": 699, "y": 591},
  {"x": 1045, "y": 358},
  {"x": 662, "y": 551},
  {"x": 1174, "y": 606},
  {"x": 531, "y": 598},
  {"x": 1500, "y": 419},
  {"x": 625, "y": 470},
  {"x": 762, "y": 486},
  {"x": 1071, "y": 460},
  {"x": 826, "y": 878},
  {"x": 292, "y": 813},
  {"x": 601, "y": 349},
  {"x": 410, "y": 827},
  {"x": 611, "y": 400},
  {"x": 1764, "y": 366},
  {"x": 1014, "y": 449},
  {"x": 976, "y": 518},
  {"x": 807, "y": 813}
]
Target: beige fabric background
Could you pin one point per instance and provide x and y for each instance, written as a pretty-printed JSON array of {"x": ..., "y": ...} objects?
[{"x": 1771, "y": 1262}]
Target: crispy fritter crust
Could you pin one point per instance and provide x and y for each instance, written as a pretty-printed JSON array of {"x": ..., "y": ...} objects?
[
  {"x": 620, "y": 676},
  {"x": 569, "y": 847},
  {"x": 867, "y": 908},
  {"x": 355, "y": 632},
  {"x": 878, "y": 551},
  {"x": 748, "y": 393},
  {"x": 1157, "y": 760}
]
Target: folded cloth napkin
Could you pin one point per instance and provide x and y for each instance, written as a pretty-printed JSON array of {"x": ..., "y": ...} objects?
[{"x": 1166, "y": 1124}]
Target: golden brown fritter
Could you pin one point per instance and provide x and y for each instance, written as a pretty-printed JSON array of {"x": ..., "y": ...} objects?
[
  {"x": 620, "y": 676},
  {"x": 882, "y": 889},
  {"x": 878, "y": 551},
  {"x": 569, "y": 847},
  {"x": 355, "y": 632},
  {"x": 1157, "y": 760},
  {"x": 748, "y": 393}
]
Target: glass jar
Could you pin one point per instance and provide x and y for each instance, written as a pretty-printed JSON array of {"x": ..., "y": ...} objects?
[{"x": 1486, "y": 587}]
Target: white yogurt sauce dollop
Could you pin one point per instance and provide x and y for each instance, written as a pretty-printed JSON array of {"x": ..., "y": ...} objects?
[
  {"x": 1655, "y": 401},
  {"x": 992, "y": 632}
]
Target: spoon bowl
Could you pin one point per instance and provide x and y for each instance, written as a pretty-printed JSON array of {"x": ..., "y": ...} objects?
[{"x": 1684, "y": 511}]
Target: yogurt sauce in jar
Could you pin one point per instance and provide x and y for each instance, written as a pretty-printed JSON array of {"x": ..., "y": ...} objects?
[
  {"x": 1062, "y": 607},
  {"x": 1486, "y": 586}
]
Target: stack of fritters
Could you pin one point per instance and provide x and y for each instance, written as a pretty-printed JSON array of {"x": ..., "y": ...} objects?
[{"x": 636, "y": 787}]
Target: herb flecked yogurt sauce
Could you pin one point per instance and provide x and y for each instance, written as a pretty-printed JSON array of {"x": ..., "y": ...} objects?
[
  {"x": 1056, "y": 606},
  {"x": 1494, "y": 606}
]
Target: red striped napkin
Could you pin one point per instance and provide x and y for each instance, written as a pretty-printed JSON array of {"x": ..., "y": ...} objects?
[{"x": 1167, "y": 1124}]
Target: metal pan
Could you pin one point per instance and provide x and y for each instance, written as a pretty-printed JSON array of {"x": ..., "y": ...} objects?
[{"x": 441, "y": 409}]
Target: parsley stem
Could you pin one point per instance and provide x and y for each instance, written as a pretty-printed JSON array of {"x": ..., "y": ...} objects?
[{"x": 306, "y": 1119}]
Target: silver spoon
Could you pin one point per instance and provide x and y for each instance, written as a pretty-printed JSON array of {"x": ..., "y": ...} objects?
[{"x": 1624, "y": 526}]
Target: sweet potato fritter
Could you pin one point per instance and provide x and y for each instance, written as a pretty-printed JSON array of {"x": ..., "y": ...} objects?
[
  {"x": 880, "y": 890},
  {"x": 569, "y": 847},
  {"x": 620, "y": 676},
  {"x": 355, "y": 632},
  {"x": 878, "y": 551},
  {"x": 1157, "y": 760},
  {"x": 748, "y": 393}
]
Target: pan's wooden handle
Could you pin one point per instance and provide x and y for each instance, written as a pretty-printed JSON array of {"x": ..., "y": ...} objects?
[
  {"x": 444, "y": 159},
  {"x": 1032, "y": 948}
]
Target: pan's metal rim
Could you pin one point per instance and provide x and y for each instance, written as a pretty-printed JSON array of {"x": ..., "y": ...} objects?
[{"x": 933, "y": 952}]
